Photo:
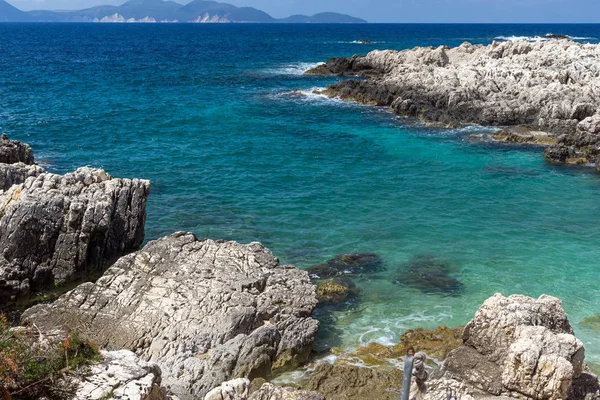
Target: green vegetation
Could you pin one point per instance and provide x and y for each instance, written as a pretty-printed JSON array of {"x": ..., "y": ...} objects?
[{"x": 32, "y": 366}]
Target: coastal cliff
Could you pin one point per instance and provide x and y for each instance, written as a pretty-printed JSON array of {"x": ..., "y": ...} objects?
[{"x": 551, "y": 86}]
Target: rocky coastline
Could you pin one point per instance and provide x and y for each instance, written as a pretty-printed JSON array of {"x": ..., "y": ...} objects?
[
  {"x": 188, "y": 318},
  {"x": 549, "y": 90}
]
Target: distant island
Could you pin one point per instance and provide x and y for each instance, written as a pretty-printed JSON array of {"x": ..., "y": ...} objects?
[{"x": 197, "y": 11}]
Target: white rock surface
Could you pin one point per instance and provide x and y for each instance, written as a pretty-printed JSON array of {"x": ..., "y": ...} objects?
[
  {"x": 205, "y": 311},
  {"x": 122, "y": 375}
]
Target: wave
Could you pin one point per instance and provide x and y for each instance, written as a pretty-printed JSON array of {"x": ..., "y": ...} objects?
[
  {"x": 537, "y": 38},
  {"x": 314, "y": 94},
  {"x": 356, "y": 42},
  {"x": 297, "y": 68}
]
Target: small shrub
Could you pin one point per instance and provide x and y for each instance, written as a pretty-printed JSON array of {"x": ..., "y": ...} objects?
[{"x": 30, "y": 369}]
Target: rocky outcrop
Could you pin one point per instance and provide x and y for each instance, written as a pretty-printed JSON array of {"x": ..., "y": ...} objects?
[
  {"x": 353, "y": 66},
  {"x": 516, "y": 347},
  {"x": 55, "y": 229},
  {"x": 16, "y": 163},
  {"x": 15, "y": 174},
  {"x": 13, "y": 151},
  {"x": 552, "y": 86},
  {"x": 205, "y": 311},
  {"x": 121, "y": 375},
  {"x": 580, "y": 147}
]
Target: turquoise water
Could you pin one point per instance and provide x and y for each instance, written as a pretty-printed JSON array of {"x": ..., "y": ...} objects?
[{"x": 209, "y": 114}]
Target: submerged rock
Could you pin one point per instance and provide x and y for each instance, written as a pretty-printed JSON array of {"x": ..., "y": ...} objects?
[
  {"x": 60, "y": 228},
  {"x": 205, "y": 311},
  {"x": 336, "y": 291},
  {"x": 345, "y": 264},
  {"x": 429, "y": 275},
  {"x": 592, "y": 323},
  {"x": 550, "y": 86},
  {"x": 524, "y": 135},
  {"x": 435, "y": 343}
]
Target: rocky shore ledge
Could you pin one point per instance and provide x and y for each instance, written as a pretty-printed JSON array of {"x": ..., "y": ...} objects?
[
  {"x": 184, "y": 318},
  {"x": 549, "y": 89}
]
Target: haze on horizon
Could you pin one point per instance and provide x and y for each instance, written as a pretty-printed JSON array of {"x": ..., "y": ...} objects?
[{"x": 475, "y": 11}]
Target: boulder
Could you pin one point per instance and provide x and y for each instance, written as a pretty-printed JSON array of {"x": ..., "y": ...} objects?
[
  {"x": 55, "y": 229},
  {"x": 205, "y": 311},
  {"x": 517, "y": 347},
  {"x": 121, "y": 375},
  {"x": 335, "y": 291},
  {"x": 492, "y": 330},
  {"x": 13, "y": 151}
]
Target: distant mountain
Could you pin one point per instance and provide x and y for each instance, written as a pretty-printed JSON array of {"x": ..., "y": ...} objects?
[
  {"x": 165, "y": 11},
  {"x": 323, "y": 18},
  {"x": 211, "y": 11},
  {"x": 12, "y": 14}
]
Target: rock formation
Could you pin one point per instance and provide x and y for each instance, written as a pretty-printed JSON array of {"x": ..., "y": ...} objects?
[
  {"x": 516, "y": 347},
  {"x": 346, "y": 381},
  {"x": 205, "y": 311},
  {"x": 16, "y": 163},
  {"x": 13, "y": 151},
  {"x": 55, "y": 229},
  {"x": 121, "y": 375},
  {"x": 552, "y": 86}
]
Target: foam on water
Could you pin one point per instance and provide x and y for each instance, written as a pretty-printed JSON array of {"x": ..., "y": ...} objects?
[
  {"x": 537, "y": 38},
  {"x": 296, "y": 68}
]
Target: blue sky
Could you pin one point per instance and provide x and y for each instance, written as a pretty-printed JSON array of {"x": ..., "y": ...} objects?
[{"x": 396, "y": 10}]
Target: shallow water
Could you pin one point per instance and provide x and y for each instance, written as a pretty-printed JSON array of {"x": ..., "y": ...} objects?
[{"x": 209, "y": 114}]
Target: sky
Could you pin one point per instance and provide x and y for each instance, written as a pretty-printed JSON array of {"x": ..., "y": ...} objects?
[{"x": 502, "y": 11}]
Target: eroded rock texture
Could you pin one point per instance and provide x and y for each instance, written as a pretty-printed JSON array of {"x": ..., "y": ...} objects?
[
  {"x": 517, "y": 347},
  {"x": 121, "y": 375},
  {"x": 205, "y": 311},
  {"x": 13, "y": 151},
  {"x": 16, "y": 163},
  {"x": 59, "y": 228},
  {"x": 552, "y": 86}
]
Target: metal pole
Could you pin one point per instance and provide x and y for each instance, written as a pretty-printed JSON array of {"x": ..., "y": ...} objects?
[{"x": 408, "y": 367}]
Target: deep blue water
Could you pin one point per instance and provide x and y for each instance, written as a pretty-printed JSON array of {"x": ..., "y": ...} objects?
[{"x": 208, "y": 114}]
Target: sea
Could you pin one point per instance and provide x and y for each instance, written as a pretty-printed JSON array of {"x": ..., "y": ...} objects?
[{"x": 222, "y": 121}]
